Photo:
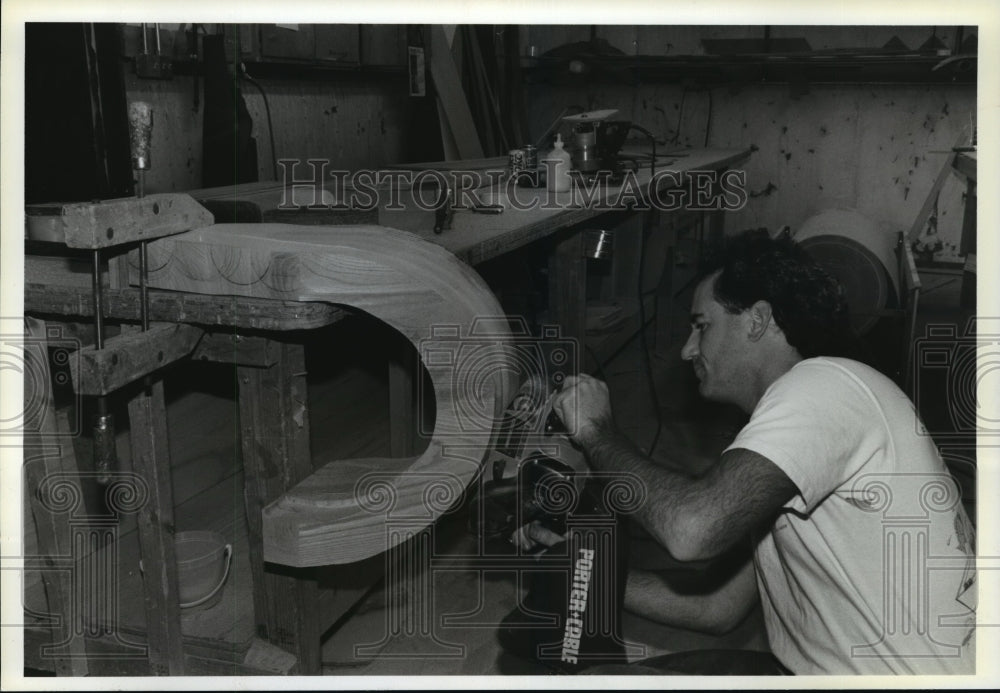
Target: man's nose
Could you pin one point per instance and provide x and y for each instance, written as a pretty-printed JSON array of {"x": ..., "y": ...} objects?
[{"x": 690, "y": 349}]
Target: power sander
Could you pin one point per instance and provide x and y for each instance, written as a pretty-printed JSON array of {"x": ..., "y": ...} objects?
[
  {"x": 598, "y": 138},
  {"x": 570, "y": 616}
]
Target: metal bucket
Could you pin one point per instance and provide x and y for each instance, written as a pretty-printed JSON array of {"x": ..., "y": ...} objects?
[{"x": 203, "y": 560}]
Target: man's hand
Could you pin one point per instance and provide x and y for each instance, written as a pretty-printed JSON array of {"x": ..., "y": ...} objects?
[
  {"x": 584, "y": 406},
  {"x": 528, "y": 536}
]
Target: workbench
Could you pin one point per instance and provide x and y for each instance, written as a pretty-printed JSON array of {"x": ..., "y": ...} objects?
[
  {"x": 258, "y": 335},
  {"x": 476, "y": 238}
]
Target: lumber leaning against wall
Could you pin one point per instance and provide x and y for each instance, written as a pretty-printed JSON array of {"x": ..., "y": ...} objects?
[{"x": 345, "y": 511}]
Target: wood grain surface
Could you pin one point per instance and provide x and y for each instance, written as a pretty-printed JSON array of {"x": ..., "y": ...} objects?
[{"x": 344, "y": 511}]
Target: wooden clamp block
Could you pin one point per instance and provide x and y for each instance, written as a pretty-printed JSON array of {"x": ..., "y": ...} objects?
[
  {"x": 128, "y": 357},
  {"x": 235, "y": 348},
  {"x": 108, "y": 223}
]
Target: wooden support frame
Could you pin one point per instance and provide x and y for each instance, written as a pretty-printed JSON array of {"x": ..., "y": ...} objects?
[
  {"x": 238, "y": 349},
  {"x": 274, "y": 433},
  {"x": 151, "y": 461}
]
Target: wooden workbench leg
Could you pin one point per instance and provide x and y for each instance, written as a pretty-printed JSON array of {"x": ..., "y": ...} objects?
[
  {"x": 568, "y": 290},
  {"x": 151, "y": 461},
  {"x": 274, "y": 425}
]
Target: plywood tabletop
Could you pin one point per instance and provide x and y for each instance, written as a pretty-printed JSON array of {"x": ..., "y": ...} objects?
[{"x": 476, "y": 238}]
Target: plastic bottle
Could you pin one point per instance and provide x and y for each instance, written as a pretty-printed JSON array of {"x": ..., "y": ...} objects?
[{"x": 558, "y": 167}]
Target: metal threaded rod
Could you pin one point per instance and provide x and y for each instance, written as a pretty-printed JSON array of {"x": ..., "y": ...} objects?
[
  {"x": 143, "y": 287},
  {"x": 105, "y": 454},
  {"x": 98, "y": 301}
]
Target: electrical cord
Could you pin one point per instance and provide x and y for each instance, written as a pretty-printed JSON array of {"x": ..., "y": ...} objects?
[
  {"x": 644, "y": 343},
  {"x": 652, "y": 139},
  {"x": 598, "y": 368},
  {"x": 267, "y": 110},
  {"x": 708, "y": 119},
  {"x": 680, "y": 115}
]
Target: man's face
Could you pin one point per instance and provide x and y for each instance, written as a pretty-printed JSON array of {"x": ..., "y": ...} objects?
[{"x": 717, "y": 346}]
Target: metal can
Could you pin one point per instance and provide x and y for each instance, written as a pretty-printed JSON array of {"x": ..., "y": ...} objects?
[
  {"x": 530, "y": 156},
  {"x": 515, "y": 161}
]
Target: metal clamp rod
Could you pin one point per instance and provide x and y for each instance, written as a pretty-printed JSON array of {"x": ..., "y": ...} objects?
[
  {"x": 98, "y": 301},
  {"x": 105, "y": 454},
  {"x": 143, "y": 287},
  {"x": 143, "y": 273}
]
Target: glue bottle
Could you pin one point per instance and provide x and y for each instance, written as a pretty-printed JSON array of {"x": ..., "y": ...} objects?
[{"x": 557, "y": 170}]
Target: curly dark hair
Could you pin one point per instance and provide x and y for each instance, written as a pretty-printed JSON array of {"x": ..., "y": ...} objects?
[{"x": 807, "y": 303}]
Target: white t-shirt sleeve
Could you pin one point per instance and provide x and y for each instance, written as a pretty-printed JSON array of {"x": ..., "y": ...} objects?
[{"x": 812, "y": 423}]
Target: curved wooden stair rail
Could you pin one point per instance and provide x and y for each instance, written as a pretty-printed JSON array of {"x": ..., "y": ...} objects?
[{"x": 343, "y": 512}]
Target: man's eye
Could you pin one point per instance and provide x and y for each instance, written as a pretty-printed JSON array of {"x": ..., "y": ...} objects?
[{"x": 699, "y": 326}]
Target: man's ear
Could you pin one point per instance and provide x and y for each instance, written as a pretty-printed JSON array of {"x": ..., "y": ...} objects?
[{"x": 760, "y": 319}]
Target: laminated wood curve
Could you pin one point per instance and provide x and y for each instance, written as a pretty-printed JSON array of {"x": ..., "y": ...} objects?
[{"x": 349, "y": 510}]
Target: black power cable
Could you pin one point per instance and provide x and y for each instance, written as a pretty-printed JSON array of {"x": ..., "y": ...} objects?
[
  {"x": 647, "y": 359},
  {"x": 708, "y": 118},
  {"x": 680, "y": 115}
]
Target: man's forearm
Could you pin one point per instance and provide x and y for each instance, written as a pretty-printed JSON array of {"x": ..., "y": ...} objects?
[
  {"x": 694, "y": 517},
  {"x": 648, "y": 595},
  {"x": 671, "y": 499},
  {"x": 651, "y": 595}
]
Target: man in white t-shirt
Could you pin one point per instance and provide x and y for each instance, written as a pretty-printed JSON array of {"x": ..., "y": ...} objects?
[{"x": 863, "y": 553}]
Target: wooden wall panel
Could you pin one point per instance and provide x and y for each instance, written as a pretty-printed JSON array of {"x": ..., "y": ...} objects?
[
  {"x": 176, "y": 152},
  {"x": 354, "y": 126}
]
